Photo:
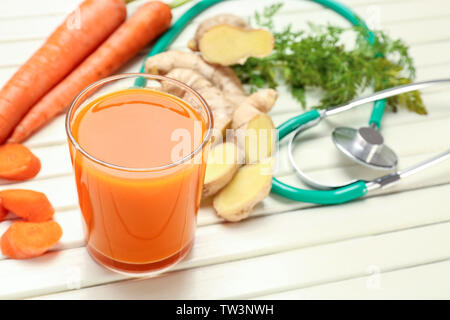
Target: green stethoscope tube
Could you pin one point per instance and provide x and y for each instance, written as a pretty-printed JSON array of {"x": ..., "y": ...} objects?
[{"x": 336, "y": 196}]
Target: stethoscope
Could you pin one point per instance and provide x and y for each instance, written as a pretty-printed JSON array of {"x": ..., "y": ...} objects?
[{"x": 364, "y": 146}]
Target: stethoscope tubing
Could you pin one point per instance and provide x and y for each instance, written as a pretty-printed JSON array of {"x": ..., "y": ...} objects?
[
  {"x": 338, "y": 195},
  {"x": 387, "y": 93},
  {"x": 354, "y": 189}
]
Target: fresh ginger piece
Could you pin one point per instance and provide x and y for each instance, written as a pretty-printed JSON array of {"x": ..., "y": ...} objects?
[
  {"x": 204, "y": 26},
  {"x": 260, "y": 138},
  {"x": 255, "y": 133},
  {"x": 227, "y": 45},
  {"x": 221, "y": 167},
  {"x": 250, "y": 185},
  {"x": 244, "y": 114},
  {"x": 227, "y": 39},
  {"x": 263, "y": 99}
]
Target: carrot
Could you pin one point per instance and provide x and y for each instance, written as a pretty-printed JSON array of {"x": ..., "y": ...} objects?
[
  {"x": 25, "y": 240},
  {"x": 77, "y": 37},
  {"x": 17, "y": 162},
  {"x": 27, "y": 204},
  {"x": 148, "y": 22},
  {"x": 3, "y": 212}
]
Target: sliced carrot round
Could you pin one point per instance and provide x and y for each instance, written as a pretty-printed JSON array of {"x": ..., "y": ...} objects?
[
  {"x": 28, "y": 204},
  {"x": 17, "y": 162},
  {"x": 3, "y": 212},
  {"x": 25, "y": 240}
]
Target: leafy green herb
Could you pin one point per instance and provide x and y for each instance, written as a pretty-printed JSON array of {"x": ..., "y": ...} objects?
[{"x": 316, "y": 58}]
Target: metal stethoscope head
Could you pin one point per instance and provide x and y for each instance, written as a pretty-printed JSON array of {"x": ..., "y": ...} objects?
[{"x": 365, "y": 146}]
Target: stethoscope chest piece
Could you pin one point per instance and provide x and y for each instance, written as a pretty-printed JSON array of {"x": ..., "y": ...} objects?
[{"x": 366, "y": 147}]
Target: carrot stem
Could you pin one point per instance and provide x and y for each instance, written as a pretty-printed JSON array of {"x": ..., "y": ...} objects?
[
  {"x": 178, "y": 3},
  {"x": 174, "y": 4}
]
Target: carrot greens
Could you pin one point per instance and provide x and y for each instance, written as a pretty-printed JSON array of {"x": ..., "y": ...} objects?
[{"x": 317, "y": 58}]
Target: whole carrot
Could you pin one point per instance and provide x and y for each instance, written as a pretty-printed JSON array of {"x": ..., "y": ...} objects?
[
  {"x": 149, "y": 21},
  {"x": 80, "y": 34}
]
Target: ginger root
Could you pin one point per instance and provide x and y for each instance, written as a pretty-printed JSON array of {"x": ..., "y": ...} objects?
[
  {"x": 227, "y": 40},
  {"x": 222, "y": 109},
  {"x": 228, "y": 19},
  {"x": 236, "y": 189},
  {"x": 263, "y": 100},
  {"x": 255, "y": 133},
  {"x": 223, "y": 78},
  {"x": 221, "y": 167},
  {"x": 249, "y": 186}
]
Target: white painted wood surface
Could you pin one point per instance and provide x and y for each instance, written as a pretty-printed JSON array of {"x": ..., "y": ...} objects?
[{"x": 394, "y": 244}]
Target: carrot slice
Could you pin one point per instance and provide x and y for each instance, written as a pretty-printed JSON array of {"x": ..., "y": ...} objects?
[
  {"x": 25, "y": 240},
  {"x": 3, "y": 212},
  {"x": 30, "y": 205},
  {"x": 17, "y": 162}
]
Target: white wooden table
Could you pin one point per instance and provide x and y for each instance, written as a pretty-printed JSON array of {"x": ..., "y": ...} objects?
[{"x": 394, "y": 244}]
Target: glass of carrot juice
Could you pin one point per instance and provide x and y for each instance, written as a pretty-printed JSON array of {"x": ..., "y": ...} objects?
[{"x": 139, "y": 156}]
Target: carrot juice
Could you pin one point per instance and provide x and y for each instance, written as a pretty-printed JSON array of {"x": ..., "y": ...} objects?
[{"x": 139, "y": 159}]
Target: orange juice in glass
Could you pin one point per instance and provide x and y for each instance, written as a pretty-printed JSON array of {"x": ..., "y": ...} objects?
[{"x": 139, "y": 156}]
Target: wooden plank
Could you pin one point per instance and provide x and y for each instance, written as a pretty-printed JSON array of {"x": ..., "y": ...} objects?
[
  {"x": 328, "y": 166},
  {"x": 207, "y": 252},
  {"x": 433, "y": 72},
  {"x": 283, "y": 271},
  {"x": 310, "y": 157},
  {"x": 427, "y": 281},
  {"x": 25, "y": 29},
  {"x": 62, "y": 192},
  {"x": 322, "y": 163},
  {"x": 13, "y": 9},
  {"x": 296, "y": 12},
  {"x": 275, "y": 204},
  {"x": 54, "y": 133},
  {"x": 21, "y": 8},
  {"x": 430, "y": 54},
  {"x": 51, "y": 143},
  {"x": 422, "y": 54},
  {"x": 409, "y": 31},
  {"x": 71, "y": 223},
  {"x": 71, "y": 220},
  {"x": 219, "y": 243}
]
